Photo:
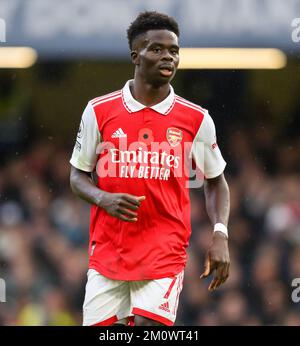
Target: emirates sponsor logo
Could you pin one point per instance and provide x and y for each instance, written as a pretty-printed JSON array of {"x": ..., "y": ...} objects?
[
  {"x": 174, "y": 136},
  {"x": 157, "y": 160},
  {"x": 145, "y": 157}
]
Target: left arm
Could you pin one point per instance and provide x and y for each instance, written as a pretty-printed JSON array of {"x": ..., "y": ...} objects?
[
  {"x": 217, "y": 204},
  {"x": 208, "y": 158}
]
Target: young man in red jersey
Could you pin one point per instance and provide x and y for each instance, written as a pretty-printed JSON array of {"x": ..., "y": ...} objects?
[{"x": 139, "y": 140}]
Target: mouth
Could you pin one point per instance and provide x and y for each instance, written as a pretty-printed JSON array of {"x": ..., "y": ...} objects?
[{"x": 166, "y": 70}]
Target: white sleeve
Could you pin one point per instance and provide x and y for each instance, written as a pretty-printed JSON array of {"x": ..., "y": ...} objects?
[
  {"x": 205, "y": 150},
  {"x": 84, "y": 155}
]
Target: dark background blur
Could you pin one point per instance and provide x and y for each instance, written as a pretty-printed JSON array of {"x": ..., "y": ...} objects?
[{"x": 44, "y": 228}]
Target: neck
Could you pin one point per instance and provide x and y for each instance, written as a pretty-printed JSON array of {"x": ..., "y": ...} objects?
[{"x": 148, "y": 94}]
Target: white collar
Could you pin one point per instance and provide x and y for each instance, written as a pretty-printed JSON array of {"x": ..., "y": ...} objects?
[{"x": 132, "y": 105}]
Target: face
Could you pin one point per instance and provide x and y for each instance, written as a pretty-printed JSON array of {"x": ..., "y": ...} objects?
[{"x": 156, "y": 56}]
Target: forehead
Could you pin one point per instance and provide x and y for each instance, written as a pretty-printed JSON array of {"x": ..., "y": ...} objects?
[{"x": 165, "y": 37}]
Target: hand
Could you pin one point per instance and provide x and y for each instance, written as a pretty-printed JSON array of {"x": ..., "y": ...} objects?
[
  {"x": 217, "y": 259},
  {"x": 121, "y": 205}
]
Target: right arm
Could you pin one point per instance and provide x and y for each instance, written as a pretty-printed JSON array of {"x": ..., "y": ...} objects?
[
  {"x": 83, "y": 162},
  {"x": 120, "y": 205},
  {"x": 83, "y": 186}
]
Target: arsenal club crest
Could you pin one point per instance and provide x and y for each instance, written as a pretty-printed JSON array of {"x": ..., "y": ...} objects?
[{"x": 174, "y": 136}]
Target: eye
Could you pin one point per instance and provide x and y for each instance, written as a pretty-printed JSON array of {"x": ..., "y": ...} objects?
[
  {"x": 156, "y": 50},
  {"x": 174, "y": 51}
]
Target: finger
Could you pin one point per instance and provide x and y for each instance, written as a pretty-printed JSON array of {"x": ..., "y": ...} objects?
[
  {"x": 127, "y": 212},
  {"x": 226, "y": 275},
  {"x": 207, "y": 268},
  {"x": 128, "y": 205},
  {"x": 132, "y": 199},
  {"x": 141, "y": 198},
  {"x": 127, "y": 219},
  {"x": 221, "y": 282},
  {"x": 218, "y": 283},
  {"x": 212, "y": 284},
  {"x": 226, "y": 271},
  {"x": 216, "y": 278},
  {"x": 224, "y": 280},
  {"x": 220, "y": 277}
]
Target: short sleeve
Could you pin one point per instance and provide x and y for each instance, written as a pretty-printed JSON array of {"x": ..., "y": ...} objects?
[
  {"x": 205, "y": 150},
  {"x": 84, "y": 155}
]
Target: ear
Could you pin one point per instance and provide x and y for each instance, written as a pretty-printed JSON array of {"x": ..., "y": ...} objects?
[{"x": 135, "y": 57}]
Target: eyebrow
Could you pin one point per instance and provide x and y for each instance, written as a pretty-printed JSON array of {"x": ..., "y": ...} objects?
[{"x": 161, "y": 44}]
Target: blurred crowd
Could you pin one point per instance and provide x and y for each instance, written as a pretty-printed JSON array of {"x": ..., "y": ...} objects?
[{"x": 44, "y": 238}]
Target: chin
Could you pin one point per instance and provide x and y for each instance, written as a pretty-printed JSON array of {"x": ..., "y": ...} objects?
[{"x": 161, "y": 81}]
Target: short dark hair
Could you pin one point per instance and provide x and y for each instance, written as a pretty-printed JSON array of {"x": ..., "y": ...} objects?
[{"x": 150, "y": 20}]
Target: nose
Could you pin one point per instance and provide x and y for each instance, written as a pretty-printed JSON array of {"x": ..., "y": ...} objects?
[{"x": 167, "y": 55}]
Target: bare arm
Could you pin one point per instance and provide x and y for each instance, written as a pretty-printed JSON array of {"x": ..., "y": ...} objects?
[
  {"x": 84, "y": 187},
  {"x": 218, "y": 205},
  {"x": 217, "y": 199},
  {"x": 120, "y": 205}
]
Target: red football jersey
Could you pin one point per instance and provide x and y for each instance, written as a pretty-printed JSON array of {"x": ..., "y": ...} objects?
[{"x": 144, "y": 151}]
